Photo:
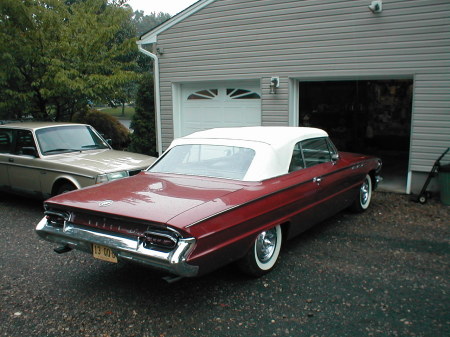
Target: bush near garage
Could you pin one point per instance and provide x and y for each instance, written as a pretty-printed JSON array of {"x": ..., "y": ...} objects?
[
  {"x": 107, "y": 125},
  {"x": 143, "y": 138}
]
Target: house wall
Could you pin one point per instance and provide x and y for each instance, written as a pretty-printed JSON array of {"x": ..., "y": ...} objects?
[{"x": 317, "y": 40}]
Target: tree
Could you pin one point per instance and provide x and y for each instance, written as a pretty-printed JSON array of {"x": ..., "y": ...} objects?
[
  {"x": 138, "y": 25},
  {"x": 143, "y": 139},
  {"x": 58, "y": 55},
  {"x": 144, "y": 23}
]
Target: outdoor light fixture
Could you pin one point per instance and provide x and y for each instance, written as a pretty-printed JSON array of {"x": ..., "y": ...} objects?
[
  {"x": 376, "y": 6},
  {"x": 274, "y": 84}
]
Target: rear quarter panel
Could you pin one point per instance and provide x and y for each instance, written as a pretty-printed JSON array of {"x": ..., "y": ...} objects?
[
  {"x": 226, "y": 235},
  {"x": 232, "y": 222}
]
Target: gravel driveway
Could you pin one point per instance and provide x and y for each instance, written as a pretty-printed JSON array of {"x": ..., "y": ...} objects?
[{"x": 382, "y": 273}]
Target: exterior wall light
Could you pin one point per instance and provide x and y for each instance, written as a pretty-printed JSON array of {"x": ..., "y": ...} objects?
[
  {"x": 274, "y": 84},
  {"x": 376, "y": 6}
]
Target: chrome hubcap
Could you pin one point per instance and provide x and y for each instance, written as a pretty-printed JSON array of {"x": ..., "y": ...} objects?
[
  {"x": 364, "y": 192},
  {"x": 265, "y": 245}
]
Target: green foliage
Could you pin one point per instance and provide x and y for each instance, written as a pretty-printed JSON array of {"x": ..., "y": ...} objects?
[
  {"x": 143, "y": 139},
  {"x": 144, "y": 23},
  {"x": 57, "y": 55},
  {"x": 127, "y": 114},
  {"x": 107, "y": 125}
]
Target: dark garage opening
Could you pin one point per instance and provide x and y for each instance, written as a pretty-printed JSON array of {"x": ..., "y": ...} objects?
[{"x": 366, "y": 116}]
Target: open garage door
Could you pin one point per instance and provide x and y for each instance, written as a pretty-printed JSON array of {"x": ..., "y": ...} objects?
[
  {"x": 228, "y": 104},
  {"x": 367, "y": 116}
]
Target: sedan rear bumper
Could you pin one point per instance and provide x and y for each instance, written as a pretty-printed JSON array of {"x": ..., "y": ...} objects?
[{"x": 125, "y": 248}]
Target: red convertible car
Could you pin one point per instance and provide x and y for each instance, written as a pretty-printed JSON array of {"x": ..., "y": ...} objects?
[{"x": 214, "y": 197}]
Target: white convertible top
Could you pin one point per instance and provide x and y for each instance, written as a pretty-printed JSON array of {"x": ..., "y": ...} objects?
[
  {"x": 273, "y": 145},
  {"x": 275, "y": 136}
]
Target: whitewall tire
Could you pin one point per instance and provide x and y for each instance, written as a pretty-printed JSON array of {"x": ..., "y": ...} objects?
[
  {"x": 263, "y": 255},
  {"x": 362, "y": 202}
]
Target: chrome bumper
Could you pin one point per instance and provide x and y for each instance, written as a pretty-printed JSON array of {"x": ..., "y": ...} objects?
[{"x": 125, "y": 248}]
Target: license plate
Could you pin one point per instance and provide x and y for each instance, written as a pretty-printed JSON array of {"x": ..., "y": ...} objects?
[{"x": 103, "y": 253}]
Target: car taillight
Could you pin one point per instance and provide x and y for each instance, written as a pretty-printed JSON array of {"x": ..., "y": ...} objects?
[
  {"x": 56, "y": 218},
  {"x": 158, "y": 239}
]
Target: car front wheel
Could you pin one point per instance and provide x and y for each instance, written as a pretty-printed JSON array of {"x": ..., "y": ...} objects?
[
  {"x": 362, "y": 202},
  {"x": 65, "y": 187},
  {"x": 263, "y": 255}
]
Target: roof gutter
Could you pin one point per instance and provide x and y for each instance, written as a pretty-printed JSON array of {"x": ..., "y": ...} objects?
[{"x": 157, "y": 96}]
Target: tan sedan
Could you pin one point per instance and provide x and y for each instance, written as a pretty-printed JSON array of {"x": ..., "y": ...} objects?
[{"x": 44, "y": 159}]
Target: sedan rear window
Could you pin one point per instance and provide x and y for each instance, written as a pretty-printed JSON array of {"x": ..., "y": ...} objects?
[{"x": 218, "y": 161}]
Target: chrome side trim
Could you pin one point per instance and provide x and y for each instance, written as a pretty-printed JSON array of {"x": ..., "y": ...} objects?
[{"x": 127, "y": 248}]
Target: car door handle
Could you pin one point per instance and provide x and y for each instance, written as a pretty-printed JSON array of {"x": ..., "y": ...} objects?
[
  {"x": 317, "y": 180},
  {"x": 11, "y": 160}
]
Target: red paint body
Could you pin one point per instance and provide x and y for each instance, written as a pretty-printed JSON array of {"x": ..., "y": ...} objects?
[{"x": 224, "y": 216}]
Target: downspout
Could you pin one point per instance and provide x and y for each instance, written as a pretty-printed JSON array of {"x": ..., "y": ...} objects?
[{"x": 157, "y": 97}]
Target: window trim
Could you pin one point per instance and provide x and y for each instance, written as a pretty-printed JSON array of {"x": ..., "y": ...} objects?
[{"x": 330, "y": 147}]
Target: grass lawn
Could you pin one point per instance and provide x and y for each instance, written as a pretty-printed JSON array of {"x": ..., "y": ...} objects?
[{"x": 117, "y": 112}]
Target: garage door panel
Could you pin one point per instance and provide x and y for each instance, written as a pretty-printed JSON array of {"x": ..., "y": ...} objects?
[
  {"x": 226, "y": 105},
  {"x": 245, "y": 115}
]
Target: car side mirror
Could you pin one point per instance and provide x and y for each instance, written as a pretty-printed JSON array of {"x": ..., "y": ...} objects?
[
  {"x": 29, "y": 151},
  {"x": 109, "y": 141},
  {"x": 335, "y": 157}
]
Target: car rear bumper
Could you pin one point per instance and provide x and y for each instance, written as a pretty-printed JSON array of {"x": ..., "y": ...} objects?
[{"x": 125, "y": 248}]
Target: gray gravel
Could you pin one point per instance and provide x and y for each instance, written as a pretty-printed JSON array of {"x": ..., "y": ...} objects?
[{"x": 381, "y": 273}]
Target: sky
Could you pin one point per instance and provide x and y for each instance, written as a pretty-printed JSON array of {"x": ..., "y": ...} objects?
[{"x": 167, "y": 6}]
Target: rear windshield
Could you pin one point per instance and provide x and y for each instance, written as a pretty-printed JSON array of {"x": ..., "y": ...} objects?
[{"x": 218, "y": 161}]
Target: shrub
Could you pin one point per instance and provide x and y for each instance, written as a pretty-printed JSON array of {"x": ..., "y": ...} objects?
[
  {"x": 107, "y": 125},
  {"x": 143, "y": 138}
]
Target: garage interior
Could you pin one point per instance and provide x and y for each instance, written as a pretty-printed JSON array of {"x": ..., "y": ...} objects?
[{"x": 364, "y": 116}]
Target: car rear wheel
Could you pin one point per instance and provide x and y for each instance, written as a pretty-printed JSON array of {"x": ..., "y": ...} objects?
[
  {"x": 263, "y": 255},
  {"x": 362, "y": 202}
]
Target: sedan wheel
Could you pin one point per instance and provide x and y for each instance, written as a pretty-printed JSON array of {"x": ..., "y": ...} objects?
[
  {"x": 66, "y": 187},
  {"x": 365, "y": 195},
  {"x": 264, "y": 253}
]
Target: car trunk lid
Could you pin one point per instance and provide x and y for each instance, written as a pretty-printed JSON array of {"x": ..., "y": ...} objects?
[{"x": 148, "y": 197}]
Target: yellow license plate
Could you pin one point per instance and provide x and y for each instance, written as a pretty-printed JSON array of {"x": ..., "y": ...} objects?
[{"x": 103, "y": 253}]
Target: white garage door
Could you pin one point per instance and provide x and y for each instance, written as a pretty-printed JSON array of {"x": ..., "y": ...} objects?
[{"x": 205, "y": 106}]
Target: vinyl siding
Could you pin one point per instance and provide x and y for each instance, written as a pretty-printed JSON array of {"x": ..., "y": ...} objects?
[{"x": 313, "y": 40}]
